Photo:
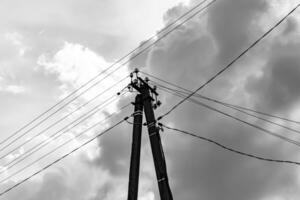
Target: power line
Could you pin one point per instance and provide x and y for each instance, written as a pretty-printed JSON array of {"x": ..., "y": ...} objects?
[
  {"x": 214, "y": 100},
  {"x": 179, "y": 93},
  {"x": 54, "y": 136},
  {"x": 106, "y": 70},
  {"x": 266, "y": 114},
  {"x": 240, "y": 120},
  {"x": 230, "y": 64},
  {"x": 239, "y": 108},
  {"x": 228, "y": 106},
  {"x": 56, "y": 122},
  {"x": 56, "y": 111},
  {"x": 81, "y": 118},
  {"x": 61, "y": 158},
  {"x": 263, "y": 119},
  {"x": 229, "y": 148},
  {"x": 115, "y": 63},
  {"x": 63, "y": 144}
]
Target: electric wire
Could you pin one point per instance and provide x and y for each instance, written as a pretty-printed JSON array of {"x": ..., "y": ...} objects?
[
  {"x": 53, "y": 137},
  {"x": 56, "y": 122},
  {"x": 229, "y": 64},
  {"x": 214, "y": 100},
  {"x": 260, "y": 118},
  {"x": 65, "y": 143},
  {"x": 239, "y": 108},
  {"x": 115, "y": 63},
  {"x": 229, "y": 106},
  {"x": 61, "y": 158},
  {"x": 82, "y": 118},
  {"x": 229, "y": 148},
  {"x": 297, "y": 143},
  {"x": 56, "y": 111}
]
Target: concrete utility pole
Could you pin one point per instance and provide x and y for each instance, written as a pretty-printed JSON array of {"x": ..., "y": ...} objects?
[
  {"x": 135, "y": 149},
  {"x": 146, "y": 93}
]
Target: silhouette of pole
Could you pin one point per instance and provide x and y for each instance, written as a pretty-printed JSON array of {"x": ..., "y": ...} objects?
[
  {"x": 135, "y": 149},
  {"x": 156, "y": 146}
]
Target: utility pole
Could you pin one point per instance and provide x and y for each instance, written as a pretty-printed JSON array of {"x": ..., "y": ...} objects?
[
  {"x": 156, "y": 147},
  {"x": 135, "y": 149},
  {"x": 146, "y": 97}
]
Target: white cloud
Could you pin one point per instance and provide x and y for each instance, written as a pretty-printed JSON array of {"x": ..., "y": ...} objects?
[
  {"x": 74, "y": 65},
  {"x": 15, "y": 89},
  {"x": 96, "y": 32},
  {"x": 16, "y": 40},
  {"x": 8, "y": 87}
]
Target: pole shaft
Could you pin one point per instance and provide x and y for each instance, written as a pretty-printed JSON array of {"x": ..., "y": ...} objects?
[
  {"x": 156, "y": 146},
  {"x": 135, "y": 149}
]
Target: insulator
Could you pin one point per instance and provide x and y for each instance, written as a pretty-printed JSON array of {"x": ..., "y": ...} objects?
[
  {"x": 136, "y": 70},
  {"x": 131, "y": 75},
  {"x": 147, "y": 79},
  {"x": 158, "y": 103}
]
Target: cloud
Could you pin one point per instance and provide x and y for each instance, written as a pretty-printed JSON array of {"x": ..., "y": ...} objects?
[
  {"x": 9, "y": 84},
  {"x": 233, "y": 24},
  {"x": 105, "y": 27},
  {"x": 187, "y": 57},
  {"x": 277, "y": 88},
  {"x": 190, "y": 56},
  {"x": 63, "y": 182},
  {"x": 71, "y": 66},
  {"x": 75, "y": 65},
  {"x": 14, "y": 89},
  {"x": 16, "y": 39}
]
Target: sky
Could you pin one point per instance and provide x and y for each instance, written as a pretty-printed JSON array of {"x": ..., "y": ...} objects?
[{"x": 51, "y": 48}]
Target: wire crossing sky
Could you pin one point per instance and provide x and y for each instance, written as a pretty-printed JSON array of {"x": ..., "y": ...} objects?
[
  {"x": 233, "y": 61},
  {"x": 56, "y": 135},
  {"x": 234, "y": 107},
  {"x": 264, "y": 130},
  {"x": 108, "y": 73},
  {"x": 73, "y": 60},
  {"x": 186, "y": 91},
  {"x": 229, "y": 148},
  {"x": 61, "y": 158}
]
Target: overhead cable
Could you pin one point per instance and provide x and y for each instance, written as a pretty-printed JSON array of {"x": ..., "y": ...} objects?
[
  {"x": 230, "y": 64},
  {"x": 61, "y": 158},
  {"x": 67, "y": 142},
  {"x": 229, "y": 148},
  {"x": 214, "y": 100},
  {"x": 228, "y": 106},
  {"x": 57, "y": 121},
  {"x": 297, "y": 143},
  {"x": 54, "y": 136},
  {"x": 115, "y": 63}
]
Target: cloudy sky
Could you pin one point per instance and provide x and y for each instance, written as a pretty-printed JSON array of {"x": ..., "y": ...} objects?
[{"x": 50, "y": 48}]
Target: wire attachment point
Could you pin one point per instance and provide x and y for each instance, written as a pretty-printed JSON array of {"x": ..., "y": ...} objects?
[{"x": 160, "y": 126}]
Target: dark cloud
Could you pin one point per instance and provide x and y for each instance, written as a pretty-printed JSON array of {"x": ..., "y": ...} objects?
[
  {"x": 201, "y": 170},
  {"x": 188, "y": 57},
  {"x": 233, "y": 24},
  {"x": 115, "y": 150},
  {"x": 292, "y": 26},
  {"x": 62, "y": 182},
  {"x": 115, "y": 146},
  {"x": 278, "y": 87},
  {"x": 53, "y": 187}
]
